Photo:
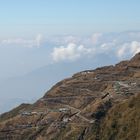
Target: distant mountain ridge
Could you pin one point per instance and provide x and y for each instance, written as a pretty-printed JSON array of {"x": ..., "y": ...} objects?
[{"x": 32, "y": 85}]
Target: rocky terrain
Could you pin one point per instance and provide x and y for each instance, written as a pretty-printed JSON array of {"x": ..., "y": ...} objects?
[{"x": 100, "y": 104}]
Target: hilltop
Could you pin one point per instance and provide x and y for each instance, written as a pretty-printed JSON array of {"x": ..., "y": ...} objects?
[{"x": 100, "y": 104}]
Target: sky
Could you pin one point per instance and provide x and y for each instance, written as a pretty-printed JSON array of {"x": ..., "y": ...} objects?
[
  {"x": 39, "y": 35},
  {"x": 28, "y": 17},
  {"x": 34, "y": 33}
]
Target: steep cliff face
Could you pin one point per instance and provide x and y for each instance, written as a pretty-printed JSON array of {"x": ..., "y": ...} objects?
[{"x": 100, "y": 104}]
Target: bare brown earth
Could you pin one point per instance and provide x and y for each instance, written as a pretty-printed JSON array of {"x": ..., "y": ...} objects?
[{"x": 100, "y": 104}]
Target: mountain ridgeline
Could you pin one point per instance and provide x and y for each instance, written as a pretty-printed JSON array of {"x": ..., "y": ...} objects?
[{"x": 100, "y": 104}]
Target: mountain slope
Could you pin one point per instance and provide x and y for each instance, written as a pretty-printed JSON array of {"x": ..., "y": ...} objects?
[
  {"x": 31, "y": 86},
  {"x": 100, "y": 104},
  {"x": 122, "y": 121}
]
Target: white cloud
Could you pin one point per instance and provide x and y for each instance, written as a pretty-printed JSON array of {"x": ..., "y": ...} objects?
[
  {"x": 95, "y": 37},
  {"x": 121, "y": 51},
  {"x": 38, "y": 40},
  {"x": 70, "y": 52},
  {"x": 107, "y": 47},
  {"x": 22, "y": 42},
  {"x": 117, "y": 45},
  {"x": 86, "y": 40},
  {"x": 68, "y": 47},
  {"x": 128, "y": 49},
  {"x": 135, "y": 47}
]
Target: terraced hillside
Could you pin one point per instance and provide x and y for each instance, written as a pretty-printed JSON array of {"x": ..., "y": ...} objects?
[{"x": 100, "y": 104}]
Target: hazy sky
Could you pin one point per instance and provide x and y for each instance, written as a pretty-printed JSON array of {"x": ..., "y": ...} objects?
[
  {"x": 38, "y": 34},
  {"x": 35, "y": 32},
  {"x": 29, "y": 17}
]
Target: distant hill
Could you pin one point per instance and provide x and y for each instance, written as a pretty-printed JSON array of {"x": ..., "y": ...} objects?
[{"x": 30, "y": 87}]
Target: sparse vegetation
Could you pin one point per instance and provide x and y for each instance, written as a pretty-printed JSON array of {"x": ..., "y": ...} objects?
[{"x": 82, "y": 108}]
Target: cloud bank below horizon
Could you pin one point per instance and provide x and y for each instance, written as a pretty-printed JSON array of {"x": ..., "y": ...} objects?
[{"x": 119, "y": 45}]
